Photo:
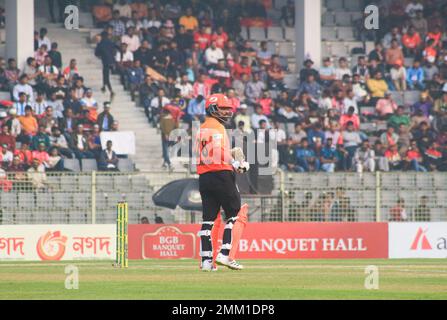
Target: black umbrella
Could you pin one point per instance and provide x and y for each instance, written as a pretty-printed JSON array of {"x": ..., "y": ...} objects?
[{"x": 183, "y": 193}]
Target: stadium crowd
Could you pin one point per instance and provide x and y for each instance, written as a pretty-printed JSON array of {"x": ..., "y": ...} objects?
[
  {"x": 52, "y": 115},
  {"x": 342, "y": 116}
]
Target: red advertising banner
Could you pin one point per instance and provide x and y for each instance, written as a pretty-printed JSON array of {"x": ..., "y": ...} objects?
[{"x": 268, "y": 241}]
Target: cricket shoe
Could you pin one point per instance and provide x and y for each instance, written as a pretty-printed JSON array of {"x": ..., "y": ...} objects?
[
  {"x": 225, "y": 261},
  {"x": 207, "y": 266}
]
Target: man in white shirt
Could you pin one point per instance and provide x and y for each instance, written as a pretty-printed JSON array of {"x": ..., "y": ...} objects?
[
  {"x": 131, "y": 39},
  {"x": 186, "y": 89},
  {"x": 23, "y": 86},
  {"x": 39, "y": 105},
  {"x": 213, "y": 54},
  {"x": 256, "y": 117},
  {"x": 21, "y": 104}
]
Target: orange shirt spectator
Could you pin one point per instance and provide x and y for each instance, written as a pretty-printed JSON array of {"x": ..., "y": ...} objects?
[
  {"x": 42, "y": 156},
  {"x": 411, "y": 41},
  {"x": 25, "y": 155},
  {"x": 189, "y": 21},
  {"x": 203, "y": 39},
  {"x": 394, "y": 54},
  {"x": 430, "y": 53},
  {"x": 436, "y": 36},
  {"x": 29, "y": 124},
  {"x": 221, "y": 38},
  {"x": 344, "y": 119},
  {"x": 240, "y": 69}
]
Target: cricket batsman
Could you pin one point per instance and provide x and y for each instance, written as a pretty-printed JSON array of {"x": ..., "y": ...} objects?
[{"x": 217, "y": 165}]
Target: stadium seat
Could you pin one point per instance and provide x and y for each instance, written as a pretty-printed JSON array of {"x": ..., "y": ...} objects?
[
  {"x": 356, "y": 15},
  {"x": 440, "y": 181},
  {"x": 275, "y": 34},
  {"x": 441, "y": 196},
  {"x": 407, "y": 180},
  {"x": 291, "y": 81},
  {"x": 352, "y": 5},
  {"x": 286, "y": 49},
  {"x": 68, "y": 183},
  {"x": 84, "y": 182},
  {"x": 26, "y": 200},
  {"x": 135, "y": 200},
  {"x": 438, "y": 214},
  {"x": 289, "y": 34},
  {"x": 328, "y": 19},
  {"x": 343, "y": 19},
  {"x": 113, "y": 199},
  {"x": 8, "y": 200},
  {"x": 126, "y": 165},
  {"x": 397, "y": 97},
  {"x": 121, "y": 182},
  {"x": 411, "y": 97},
  {"x": 54, "y": 182},
  {"x": 78, "y": 217},
  {"x": 139, "y": 183},
  {"x": 334, "y": 4},
  {"x": 44, "y": 200},
  {"x": 63, "y": 200},
  {"x": 272, "y": 47},
  {"x": 89, "y": 165},
  {"x": 101, "y": 200},
  {"x": 72, "y": 165},
  {"x": 424, "y": 181},
  {"x": 338, "y": 49},
  {"x": 345, "y": 33},
  {"x": 104, "y": 182},
  {"x": 7, "y": 217},
  {"x": 328, "y": 33},
  {"x": 82, "y": 200},
  {"x": 244, "y": 33},
  {"x": 257, "y": 34}
]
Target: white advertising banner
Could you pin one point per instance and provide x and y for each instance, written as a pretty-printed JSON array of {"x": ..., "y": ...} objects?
[
  {"x": 417, "y": 240},
  {"x": 57, "y": 242},
  {"x": 123, "y": 142}
]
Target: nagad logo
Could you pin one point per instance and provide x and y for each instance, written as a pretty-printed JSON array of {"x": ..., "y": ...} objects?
[
  {"x": 421, "y": 242},
  {"x": 51, "y": 246}
]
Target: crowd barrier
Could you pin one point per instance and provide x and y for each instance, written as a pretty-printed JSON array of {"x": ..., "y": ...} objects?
[{"x": 271, "y": 240}]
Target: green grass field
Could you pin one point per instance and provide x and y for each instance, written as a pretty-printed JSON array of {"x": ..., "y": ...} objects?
[{"x": 290, "y": 279}]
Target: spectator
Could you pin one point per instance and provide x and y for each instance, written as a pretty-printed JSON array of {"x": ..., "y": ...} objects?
[
  {"x": 13, "y": 124},
  {"x": 43, "y": 38},
  {"x": 28, "y": 122},
  {"x": 58, "y": 141},
  {"x": 411, "y": 42},
  {"x": 398, "y": 212},
  {"x": 413, "y": 158},
  {"x": 386, "y": 106},
  {"x": 393, "y": 157},
  {"x": 30, "y": 70},
  {"x": 118, "y": 26},
  {"x": 306, "y": 158},
  {"x": 36, "y": 174},
  {"x": 105, "y": 50},
  {"x": 327, "y": 73},
  {"x": 157, "y": 104},
  {"x": 21, "y": 104},
  {"x": 275, "y": 74},
  {"x": 342, "y": 69},
  {"x": 131, "y": 39},
  {"x": 399, "y": 118},
  {"x": 55, "y": 161},
  {"x": 264, "y": 55},
  {"x": 289, "y": 158},
  {"x": 105, "y": 119},
  {"x": 350, "y": 117},
  {"x": 23, "y": 87},
  {"x": 39, "y": 106},
  {"x": 55, "y": 55},
  {"x": 398, "y": 75},
  {"x": 196, "y": 109},
  {"x": 167, "y": 125},
  {"x": 424, "y": 104},
  {"x": 135, "y": 78},
  {"x": 71, "y": 72},
  {"x": 420, "y": 23},
  {"x": 108, "y": 160},
  {"x": 364, "y": 158},
  {"x": 422, "y": 211},
  {"x": 415, "y": 77},
  {"x": 328, "y": 158},
  {"x": 377, "y": 86},
  {"x": 351, "y": 141},
  {"x": 394, "y": 54},
  {"x": 80, "y": 144},
  {"x": 189, "y": 21},
  {"x": 287, "y": 18},
  {"x": 433, "y": 157},
  {"x": 257, "y": 117},
  {"x": 394, "y": 34}
]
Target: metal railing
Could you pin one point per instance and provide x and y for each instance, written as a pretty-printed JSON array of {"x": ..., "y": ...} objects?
[{"x": 60, "y": 198}]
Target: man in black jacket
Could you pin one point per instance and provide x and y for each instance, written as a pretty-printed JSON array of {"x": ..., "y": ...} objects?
[
  {"x": 105, "y": 50},
  {"x": 105, "y": 119}
]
